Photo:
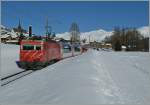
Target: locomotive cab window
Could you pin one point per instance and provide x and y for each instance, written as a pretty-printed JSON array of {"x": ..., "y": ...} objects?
[
  {"x": 28, "y": 47},
  {"x": 38, "y": 47}
]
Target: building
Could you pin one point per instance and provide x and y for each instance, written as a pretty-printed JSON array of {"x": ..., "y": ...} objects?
[
  {"x": 19, "y": 29},
  {"x": 8, "y": 35}
]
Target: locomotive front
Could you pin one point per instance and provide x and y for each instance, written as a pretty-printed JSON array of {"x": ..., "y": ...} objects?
[{"x": 31, "y": 54}]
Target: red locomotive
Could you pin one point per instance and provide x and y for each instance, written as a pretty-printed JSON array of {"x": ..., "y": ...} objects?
[
  {"x": 38, "y": 52},
  {"x": 35, "y": 54}
]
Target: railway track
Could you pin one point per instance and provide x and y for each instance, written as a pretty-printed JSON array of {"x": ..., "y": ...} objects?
[{"x": 11, "y": 78}]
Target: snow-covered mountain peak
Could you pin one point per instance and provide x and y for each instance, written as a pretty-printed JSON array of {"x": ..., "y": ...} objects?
[
  {"x": 100, "y": 34},
  {"x": 94, "y": 35},
  {"x": 145, "y": 31}
]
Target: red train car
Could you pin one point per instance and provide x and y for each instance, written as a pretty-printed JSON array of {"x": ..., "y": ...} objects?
[{"x": 36, "y": 54}]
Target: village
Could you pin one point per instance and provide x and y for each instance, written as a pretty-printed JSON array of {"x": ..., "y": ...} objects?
[
  {"x": 11, "y": 36},
  {"x": 76, "y": 52}
]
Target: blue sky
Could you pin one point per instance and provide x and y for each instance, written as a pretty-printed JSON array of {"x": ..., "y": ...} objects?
[{"x": 89, "y": 15}]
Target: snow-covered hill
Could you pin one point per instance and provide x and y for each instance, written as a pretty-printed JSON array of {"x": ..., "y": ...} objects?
[
  {"x": 145, "y": 31},
  {"x": 96, "y": 35},
  {"x": 99, "y": 35},
  {"x": 92, "y": 78}
]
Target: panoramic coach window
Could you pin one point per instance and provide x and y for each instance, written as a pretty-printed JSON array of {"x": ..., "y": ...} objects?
[{"x": 28, "y": 47}]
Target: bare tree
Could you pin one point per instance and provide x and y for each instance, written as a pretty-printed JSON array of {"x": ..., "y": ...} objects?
[
  {"x": 129, "y": 37},
  {"x": 75, "y": 33}
]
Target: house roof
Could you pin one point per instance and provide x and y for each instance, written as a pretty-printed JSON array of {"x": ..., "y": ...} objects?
[{"x": 5, "y": 36}]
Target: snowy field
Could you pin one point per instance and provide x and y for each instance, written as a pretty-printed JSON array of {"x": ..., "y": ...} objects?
[
  {"x": 95, "y": 77},
  {"x": 9, "y": 56}
]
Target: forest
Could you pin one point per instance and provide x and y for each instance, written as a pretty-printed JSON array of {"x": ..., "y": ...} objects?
[{"x": 128, "y": 37}]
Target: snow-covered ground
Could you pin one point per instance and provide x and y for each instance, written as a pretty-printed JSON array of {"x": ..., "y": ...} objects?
[
  {"x": 95, "y": 77},
  {"x": 9, "y": 56}
]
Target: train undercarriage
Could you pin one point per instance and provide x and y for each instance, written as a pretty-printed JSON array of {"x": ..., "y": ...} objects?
[{"x": 34, "y": 65}]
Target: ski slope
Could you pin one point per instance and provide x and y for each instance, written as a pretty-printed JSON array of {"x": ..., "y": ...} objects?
[{"x": 95, "y": 77}]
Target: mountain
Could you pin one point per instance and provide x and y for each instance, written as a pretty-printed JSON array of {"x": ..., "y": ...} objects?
[
  {"x": 99, "y": 35},
  {"x": 145, "y": 31},
  {"x": 96, "y": 35},
  {"x": 65, "y": 35}
]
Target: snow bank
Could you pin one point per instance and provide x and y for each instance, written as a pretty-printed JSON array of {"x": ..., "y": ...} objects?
[{"x": 9, "y": 56}]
